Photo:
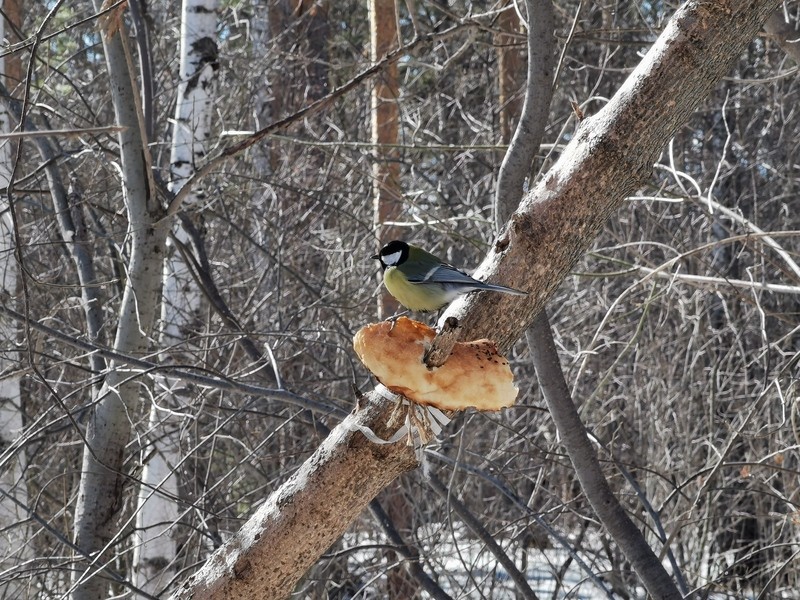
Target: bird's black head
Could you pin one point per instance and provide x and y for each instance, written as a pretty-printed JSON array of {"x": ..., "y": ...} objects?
[{"x": 392, "y": 254}]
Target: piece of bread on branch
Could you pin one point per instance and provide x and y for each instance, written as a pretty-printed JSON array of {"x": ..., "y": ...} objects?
[{"x": 475, "y": 375}]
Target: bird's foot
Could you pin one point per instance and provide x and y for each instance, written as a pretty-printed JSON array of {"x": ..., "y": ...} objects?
[{"x": 394, "y": 317}]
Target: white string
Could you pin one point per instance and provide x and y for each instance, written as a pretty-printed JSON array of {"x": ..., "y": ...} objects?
[{"x": 426, "y": 415}]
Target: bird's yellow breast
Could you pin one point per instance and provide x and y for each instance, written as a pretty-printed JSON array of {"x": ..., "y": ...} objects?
[{"x": 413, "y": 297}]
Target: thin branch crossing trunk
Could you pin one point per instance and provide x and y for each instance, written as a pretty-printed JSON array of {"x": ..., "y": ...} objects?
[{"x": 157, "y": 511}]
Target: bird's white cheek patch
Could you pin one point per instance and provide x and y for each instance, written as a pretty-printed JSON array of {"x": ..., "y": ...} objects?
[{"x": 391, "y": 259}]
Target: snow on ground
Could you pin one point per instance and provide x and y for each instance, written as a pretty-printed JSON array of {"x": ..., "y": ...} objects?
[{"x": 464, "y": 568}]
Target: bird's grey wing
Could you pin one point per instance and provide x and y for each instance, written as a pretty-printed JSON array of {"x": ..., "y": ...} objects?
[
  {"x": 451, "y": 278},
  {"x": 446, "y": 274}
]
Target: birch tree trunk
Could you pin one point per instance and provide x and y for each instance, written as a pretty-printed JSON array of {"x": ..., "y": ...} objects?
[
  {"x": 611, "y": 154},
  {"x": 157, "y": 511},
  {"x": 102, "y": 477}
]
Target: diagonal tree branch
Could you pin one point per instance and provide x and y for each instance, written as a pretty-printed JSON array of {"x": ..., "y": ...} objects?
[
  {"x": 552, "y": 383},
  {"x": 573, "y": 435},
  {"x": 611, "y": 154}
]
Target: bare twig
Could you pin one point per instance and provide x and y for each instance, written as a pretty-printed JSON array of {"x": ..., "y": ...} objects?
[{"x": 307, "y": 111}]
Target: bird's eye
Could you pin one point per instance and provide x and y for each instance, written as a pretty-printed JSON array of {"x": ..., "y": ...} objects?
[{"x": 391, "y": 259}]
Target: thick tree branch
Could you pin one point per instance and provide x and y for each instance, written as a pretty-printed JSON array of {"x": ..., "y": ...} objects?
[
  {"x": 289, "y": 532},
  {"x": 552, "y": 383},
  {"x": 524, "y": 143},
  {"x": 612, "y": 153}
]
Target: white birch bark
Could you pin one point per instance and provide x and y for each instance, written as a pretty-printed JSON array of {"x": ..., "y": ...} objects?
[
  {"x": 13, "y": 532},
  {"x": 157, "y": 512},
  {"x": 193, "y": 114},
  {"x": 102, "y": 474}
]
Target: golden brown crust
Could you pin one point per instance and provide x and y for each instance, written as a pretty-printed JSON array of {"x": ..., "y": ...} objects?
[{"x": 475, "y": 374}]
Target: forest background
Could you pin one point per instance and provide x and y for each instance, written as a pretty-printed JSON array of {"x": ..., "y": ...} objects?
[{"x": 191, "y": 196}]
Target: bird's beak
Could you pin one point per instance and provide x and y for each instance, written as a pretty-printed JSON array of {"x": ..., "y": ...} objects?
[{"x": 375, "y": 256}]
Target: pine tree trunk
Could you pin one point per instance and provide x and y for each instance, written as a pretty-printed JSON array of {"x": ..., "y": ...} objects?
[{"x": 385, "y": 114}]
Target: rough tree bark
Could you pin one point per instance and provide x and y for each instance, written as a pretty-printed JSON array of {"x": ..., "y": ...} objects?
[
  {"x": 298, "y": 522},
  {"x": 611, "y": 154}
]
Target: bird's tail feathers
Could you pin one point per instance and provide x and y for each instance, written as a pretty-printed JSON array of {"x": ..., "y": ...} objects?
[{"x": 501, "y": 288}]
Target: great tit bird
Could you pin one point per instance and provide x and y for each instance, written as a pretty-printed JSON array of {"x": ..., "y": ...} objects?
[{"x": 423, "y": 283}]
